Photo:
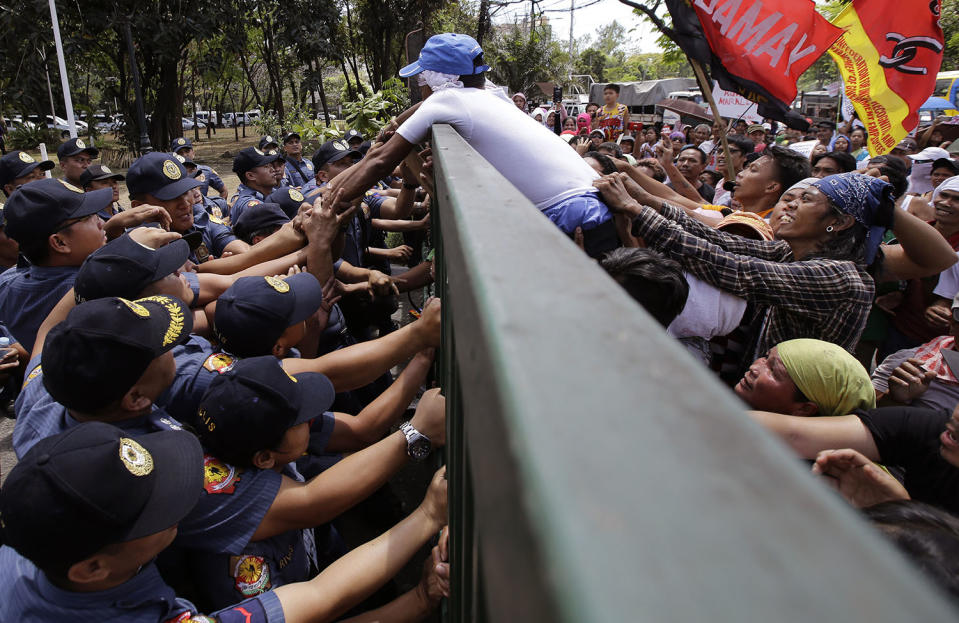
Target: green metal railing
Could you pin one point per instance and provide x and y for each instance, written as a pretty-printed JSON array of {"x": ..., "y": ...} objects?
[{"x": 597, "y": 472}]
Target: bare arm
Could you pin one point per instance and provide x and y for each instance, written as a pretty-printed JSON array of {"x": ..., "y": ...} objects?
[
  {"x": 280, "y": 243},
  {"x": 300, "y": 505},
  {"x": 808, "y": 436},
  {"x": 355, "y": 432},
  {"x": 359, "y": 364},
  {"x": 400, "y": 225},
  {"x": 358, "y": 179},
  {"x": 356, "y": 575},
  {"x": 922, "y": 251},
  {"x": 236, "y": 246},
  {"x": 213, "y": 285}
]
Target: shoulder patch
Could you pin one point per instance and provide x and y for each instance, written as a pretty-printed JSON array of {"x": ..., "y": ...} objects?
[
  {"x": 219, "y": 363},
  {"x": 33, "y": 374},
  {"x": 201, "y": 178},
  {"x": 251, "y": 574},
  {"x": 219, "y": 477}
]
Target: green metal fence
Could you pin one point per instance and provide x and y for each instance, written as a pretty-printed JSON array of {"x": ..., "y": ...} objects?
[{"x": 597, "y": 472}]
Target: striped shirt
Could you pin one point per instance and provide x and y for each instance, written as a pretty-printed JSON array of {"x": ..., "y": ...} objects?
[{"x": 817, "y": 298}]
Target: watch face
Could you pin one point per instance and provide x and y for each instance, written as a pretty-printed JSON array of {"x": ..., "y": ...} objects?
[{"x": 420, "y": 448}]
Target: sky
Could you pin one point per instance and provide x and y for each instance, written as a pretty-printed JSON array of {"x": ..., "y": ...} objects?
[{"x": 641, "y": 36}]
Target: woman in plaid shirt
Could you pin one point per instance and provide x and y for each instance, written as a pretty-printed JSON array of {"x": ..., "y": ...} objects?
[{"x": 816, "y": 280}]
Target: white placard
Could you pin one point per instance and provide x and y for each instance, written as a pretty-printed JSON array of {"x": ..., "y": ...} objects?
[
  {"x": 803, "y": 147},
  {"x": 734, "y": 106}
]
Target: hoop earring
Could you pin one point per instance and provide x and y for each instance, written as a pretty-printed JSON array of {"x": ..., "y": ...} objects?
[{"x": 829, "y": 229}]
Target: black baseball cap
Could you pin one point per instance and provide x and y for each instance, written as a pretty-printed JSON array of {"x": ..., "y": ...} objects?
[
  {"x": 180, "y": 143},
  {"x": 250, "y": 407},
  {"x": 946, "y": 163},
  {"x": 288, "y": 198},
  {"x": 253, "y": 157},
  {"x": 255, "y": 311},
  {"x": 331, "y": 151},
  {"x": 353, "y": 135},
  {"x": 289, "y": 135},
  {"x": 36, "y": 210},
  {"x": 123, "y": 267},
  {"x": 159, "y": 174},
  {"x": 258, "y": 217},
  {"x": 266, "y": 142},
  {"x": 19, "y": 163},
  {"x": 75, "y": 146},
  {"x": 104, "y": 346},
  {"x": 95, "y": 485},
  {"x": 97, "y": 172}
]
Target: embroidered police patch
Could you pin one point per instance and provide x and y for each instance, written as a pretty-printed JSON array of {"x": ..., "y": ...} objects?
[
  {"x": 136, "y": 308},
  {"x": 171, "y": 170},
  {"x": 278, "y": 284},
  {"x": 70, "y": 186},
  {"x": 251, "y": 574},
  {"x": 25, "y": 157},
  {"x": 296, "y": 195},
  {"x": 219, "y": 362},
  {"x": 80, "y": 144},
  {"x": 135, "y": 457},
  {"x": 218, "y": 477}
]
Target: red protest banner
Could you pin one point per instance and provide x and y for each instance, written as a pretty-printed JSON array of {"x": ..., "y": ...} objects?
[{"x": 769, "y": 42}]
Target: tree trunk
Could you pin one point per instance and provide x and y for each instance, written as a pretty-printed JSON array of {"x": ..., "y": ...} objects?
[
  {"x": 349, "y": 87},
  {"x": 326, "y": 110}
]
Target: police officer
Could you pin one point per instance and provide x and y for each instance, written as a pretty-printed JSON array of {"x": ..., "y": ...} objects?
[
  {"x": 291, "y": 199},
  {"x": 259, "y": 221},
  {"x": 353, "y": 138},
  {"x": 214, "y": 206},
  {"x": 18, "y": 167},
  {"x": 260, "y": 173},
  {"x": 98, "y": 176},
  {"x": 56, "y": 226},
  {"x": 299, "y": 171},
  {"x": 88, "y": 511},
  {"x": 268, "y": 143},
  {"x": 205, "y": 175},
  {"x": 160, "y": 179},
  {"x": 9, "y": 249},
  {"x": 75, "y": 156}
]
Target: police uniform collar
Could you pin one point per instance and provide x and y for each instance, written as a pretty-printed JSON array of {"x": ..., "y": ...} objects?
[
  {"x": 146, "y": 587},
  {"x": 243, "y": 189}
]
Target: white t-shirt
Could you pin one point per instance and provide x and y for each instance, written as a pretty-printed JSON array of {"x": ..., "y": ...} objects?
[
  {"x": 537, "y": 162},
  {"x": 948, "y": 285},
  {"x": 709, "y": 312}
]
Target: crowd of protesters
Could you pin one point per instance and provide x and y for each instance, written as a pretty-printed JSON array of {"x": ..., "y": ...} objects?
[{"x": 204, "y": 385}]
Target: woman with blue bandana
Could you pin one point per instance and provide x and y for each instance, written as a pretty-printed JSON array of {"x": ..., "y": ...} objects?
[{"x": 817, "y": 280}]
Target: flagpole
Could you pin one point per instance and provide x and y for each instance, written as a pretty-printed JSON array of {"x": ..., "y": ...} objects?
[
  {"x": 708, "y": 92},
  {"x": 64, "y": 80}
]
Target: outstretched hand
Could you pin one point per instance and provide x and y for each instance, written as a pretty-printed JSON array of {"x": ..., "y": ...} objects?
[{"x": 860, "y": 481}]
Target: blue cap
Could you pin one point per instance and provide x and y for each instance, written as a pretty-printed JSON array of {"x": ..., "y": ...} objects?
[
  {"x": 448, "y": 53},
  {"x": 253, "y": 157},
  {"x": 75, "y": 146},
  {"x": 180, "y": 143},
  {"x": 36, "y": 209},
  {"x": 255, "y": 311},
  {"x": 159, "y": 174},
  {"x": 250, "y": 406},
  {"x": 289, "y": 200},
  {"x": 263, "y": 215},
  {"x": 18, "y": 164}
]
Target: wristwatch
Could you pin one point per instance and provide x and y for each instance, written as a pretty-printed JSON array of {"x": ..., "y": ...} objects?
[{"x": 418, "y": 445}]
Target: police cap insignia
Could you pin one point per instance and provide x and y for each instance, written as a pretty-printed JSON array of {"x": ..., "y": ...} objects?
[
  {"x": 278, "y": 284},
  {"x": 171, "y": 170},
  {"x": 80, "y": 144},
  {"x": 70, "y": 186},
  {"x": 135, "y": 457},
  {"x": 340, "y": 145},
  {"x": 106, "y": 169},
  {"x": 25, "y": 157},
  {"x": 136, "y": 308},
  {"x": 257, "y": 150},
  {"x": 180, "y": 141},
  {"x": 296, "y": 195}
]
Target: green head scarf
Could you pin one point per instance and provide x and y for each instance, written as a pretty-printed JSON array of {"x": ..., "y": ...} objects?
[{"x": 828, "y": 376}]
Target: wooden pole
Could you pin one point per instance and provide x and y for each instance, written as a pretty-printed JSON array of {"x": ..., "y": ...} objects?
[{"x": 708, "y": 92}]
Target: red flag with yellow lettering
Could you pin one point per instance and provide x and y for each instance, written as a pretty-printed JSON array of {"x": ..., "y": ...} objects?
[{"x": 889, "y": 55}]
